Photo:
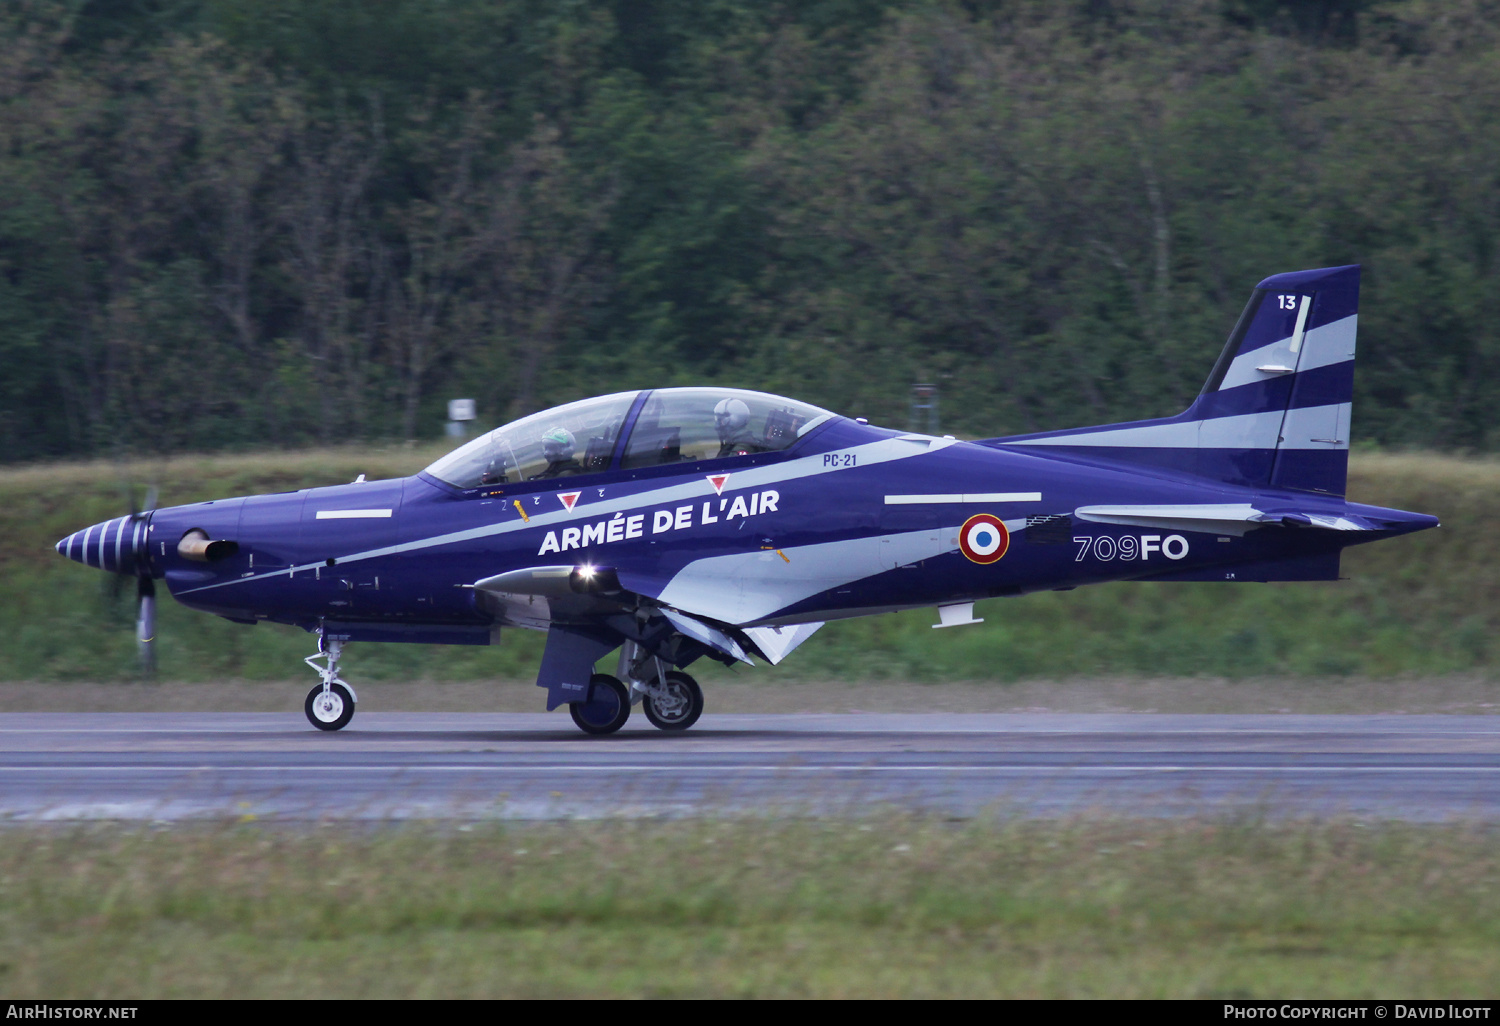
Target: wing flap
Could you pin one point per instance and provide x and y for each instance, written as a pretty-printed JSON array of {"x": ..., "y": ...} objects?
[
  {"x": 707, "y": 634},
  {"x": 776, "y": 643}
]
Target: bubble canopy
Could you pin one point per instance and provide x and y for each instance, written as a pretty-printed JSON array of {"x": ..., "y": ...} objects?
[{"x": 674, "y": 425}]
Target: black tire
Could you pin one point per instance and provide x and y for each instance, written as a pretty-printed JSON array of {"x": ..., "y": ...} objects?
[
  {"x": 683, "y": 715},
  {"x": 607, "y": 708},
  {"x": 333, "y": 713}
]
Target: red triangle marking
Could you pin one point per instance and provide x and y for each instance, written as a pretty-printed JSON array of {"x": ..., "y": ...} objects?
[
  {"x": 718, "y": 481},
  {"x": 568, "y": 498}
]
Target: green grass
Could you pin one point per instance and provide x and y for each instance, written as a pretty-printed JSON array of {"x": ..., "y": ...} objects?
[
  {"x": 1427, "y": 604},
  {"x": 893, "y": 907}
]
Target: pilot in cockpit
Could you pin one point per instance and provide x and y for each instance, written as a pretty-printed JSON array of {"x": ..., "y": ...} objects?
[
  {"x": 558, "y": 447},
  {"x": 732, "y": 418}
]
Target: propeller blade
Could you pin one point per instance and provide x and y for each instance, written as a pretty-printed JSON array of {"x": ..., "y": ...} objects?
[
  {"x": 145, "y": 623},
  {"x": 150, "y": 503},
  {"x": 127, "y": 492}
]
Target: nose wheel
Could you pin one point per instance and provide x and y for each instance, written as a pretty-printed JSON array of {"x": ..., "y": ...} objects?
[
  {"x": 329, "y": 705},
  {"x": 329, "y": 708}
]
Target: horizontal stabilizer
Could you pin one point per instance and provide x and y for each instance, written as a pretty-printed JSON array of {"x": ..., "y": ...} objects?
[
  {"x": 1208, "y": 518},
  {"x": 1327, "y": 521},
  {"x": 1219, "y": 518}
]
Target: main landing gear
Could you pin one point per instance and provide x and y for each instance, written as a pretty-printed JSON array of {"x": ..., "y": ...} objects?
[
  {"x": 607, "y": 708},
  {"x": 672, "y": 700},
  {"x": 329, "y": 705}
]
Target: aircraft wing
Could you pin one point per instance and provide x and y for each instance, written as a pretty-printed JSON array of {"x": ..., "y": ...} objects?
[{"x": 568, "y": 585}]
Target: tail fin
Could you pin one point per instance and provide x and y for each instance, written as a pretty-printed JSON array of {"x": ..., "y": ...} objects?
[{"x": 1275, "y": 410}]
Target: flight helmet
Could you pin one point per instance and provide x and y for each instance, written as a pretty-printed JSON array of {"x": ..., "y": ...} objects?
[
  {"x": 558, "y": 444},
  {"x": 731, "y": 416}
]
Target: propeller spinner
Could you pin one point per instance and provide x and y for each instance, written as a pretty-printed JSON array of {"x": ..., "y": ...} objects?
[{"x": 120, "y": 547}]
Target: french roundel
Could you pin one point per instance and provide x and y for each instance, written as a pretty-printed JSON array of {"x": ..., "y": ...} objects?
[{"x": 983, "y": 538}]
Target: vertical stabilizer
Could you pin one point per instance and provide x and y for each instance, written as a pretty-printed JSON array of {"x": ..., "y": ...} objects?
[{"x": 1275, "y": 410}]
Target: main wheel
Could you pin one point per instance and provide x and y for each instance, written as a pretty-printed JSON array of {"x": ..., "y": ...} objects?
[
  {"x": 331, "y": 709},
  {"x": 607, "y": 708},
  {"x": 680, "y": 708}
]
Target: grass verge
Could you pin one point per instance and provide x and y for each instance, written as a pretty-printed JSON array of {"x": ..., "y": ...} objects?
[{"x": 893, "y": 907}]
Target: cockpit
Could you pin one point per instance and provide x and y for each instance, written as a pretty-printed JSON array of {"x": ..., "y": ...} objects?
[{"x": 664, "y": 426}]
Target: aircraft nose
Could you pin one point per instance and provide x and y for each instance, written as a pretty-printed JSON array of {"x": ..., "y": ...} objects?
[{"x": 110, "y": 546}]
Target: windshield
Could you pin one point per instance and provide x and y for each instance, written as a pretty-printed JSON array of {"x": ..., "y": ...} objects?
[{"x": 578, "y": 438}]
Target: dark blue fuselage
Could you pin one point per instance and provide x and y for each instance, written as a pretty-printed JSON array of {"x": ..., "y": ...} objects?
[{"x": 396, "y": 560}]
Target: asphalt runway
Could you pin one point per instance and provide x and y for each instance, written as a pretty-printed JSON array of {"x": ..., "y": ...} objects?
[{"x": 396, "y": 766}]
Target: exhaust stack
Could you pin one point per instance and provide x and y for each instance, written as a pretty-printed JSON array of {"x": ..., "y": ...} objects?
[{"x": 197, "y": 546}]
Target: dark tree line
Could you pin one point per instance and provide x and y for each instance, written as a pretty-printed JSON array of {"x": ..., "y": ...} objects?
[{"x": 237, "y": 223}]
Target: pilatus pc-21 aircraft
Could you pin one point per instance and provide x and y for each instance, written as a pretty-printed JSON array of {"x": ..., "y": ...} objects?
[{"x": 677, "y": 523}]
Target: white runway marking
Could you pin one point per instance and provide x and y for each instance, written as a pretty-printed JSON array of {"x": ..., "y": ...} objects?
[{"x": 674, "y": 767}]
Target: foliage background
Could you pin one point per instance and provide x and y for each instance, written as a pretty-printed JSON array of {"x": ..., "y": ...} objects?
[{"x": 249, "y": 223}]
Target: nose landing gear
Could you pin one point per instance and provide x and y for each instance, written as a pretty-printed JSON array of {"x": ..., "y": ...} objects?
[{"x": 329, "y": 705}]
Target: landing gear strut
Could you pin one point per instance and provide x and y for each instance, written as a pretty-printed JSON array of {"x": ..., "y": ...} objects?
[
  {"x": 671, "y": 699},
  {"x": 329, "y": 705}
]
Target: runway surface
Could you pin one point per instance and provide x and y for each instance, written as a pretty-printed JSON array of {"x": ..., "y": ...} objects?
[{"x": 392, "y": 766}]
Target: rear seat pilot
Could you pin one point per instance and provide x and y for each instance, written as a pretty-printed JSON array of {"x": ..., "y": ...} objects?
[{"x": 732, "y": 418}]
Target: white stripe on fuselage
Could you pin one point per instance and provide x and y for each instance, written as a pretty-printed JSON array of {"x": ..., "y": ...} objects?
[
  {"x": 913, "y": 500},
  {"x": 869, "y": 454},
  {"x": 1246, "y": 431}
]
